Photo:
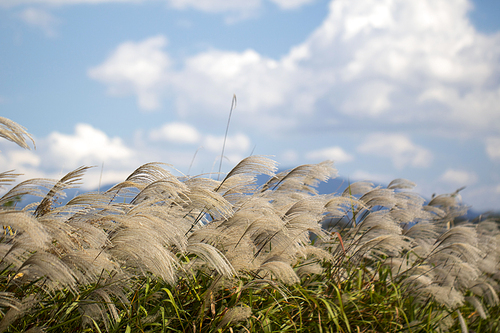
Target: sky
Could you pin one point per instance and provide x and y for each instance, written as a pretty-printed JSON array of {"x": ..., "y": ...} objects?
[{"x": 385, "y": 88}]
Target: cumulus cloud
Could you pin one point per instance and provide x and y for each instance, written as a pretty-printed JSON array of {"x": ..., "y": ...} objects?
[
  {"x": 210, "y": 77},
  {"x": 87, "y": 146},
  {"x": 493, "y": 148},
  {"x": 459, "y": 177},
  {"x": 19, "y": 160},
  {"x": 60, "y": 153},
  {"x": 140, "y": 68},
  {"x": 399, "y": 148},
  {"x": 234, "y": 143},
  {"x": 176, "y": 132},
  {"x": 418, "y": 62},
  {"x": 291, "y": 4},
  {"x": 41, "y": 19},
  {"x": 336, "y": 154}
]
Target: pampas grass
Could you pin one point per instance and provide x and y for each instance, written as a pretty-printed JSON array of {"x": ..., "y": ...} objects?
[{"x": 161, "y": 253}]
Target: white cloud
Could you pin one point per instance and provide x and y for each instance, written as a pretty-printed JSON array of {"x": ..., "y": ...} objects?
[
  {"x": 210, "y": 77},
  {"x": 87, "y": 146},
  {"x": 21, "y": 161},
  {"x": 372, "y": 177},
  {"x": 24, "y": 158},
  {"x": 418, "y": 62},
  {"x": 459, "y": 177},
  {"x": 289, "y": 156},
  {"x": 493, "y": 147},
  {"x": 372, "y": 98},
  {"x": 41, "y": 19},
  {"x": 336, "y": 154},
  {"x": 401, "y": 61},
  {"x": 240, "y": 9},
  {"x": 238, "y": 143},
  {"x": 176, "y": 132},
  {"x": 291, "y": 4},
  {"x": 399, "y": 148},
  {"x": 59, "y": 153},
  {"x": 140, "y": 68},
  {"x": 216, "y": 6}
]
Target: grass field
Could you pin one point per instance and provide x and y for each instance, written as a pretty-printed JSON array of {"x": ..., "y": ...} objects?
[{"x": 165, "y": 253}]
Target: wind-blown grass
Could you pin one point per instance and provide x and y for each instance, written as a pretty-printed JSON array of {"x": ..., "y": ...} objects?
[{"x": 162, "y": 253}]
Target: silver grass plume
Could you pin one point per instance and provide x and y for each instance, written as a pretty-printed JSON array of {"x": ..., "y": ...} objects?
[
  {"x": 401, "y": 184},
  {"x": 164, "y": 191},
  {"x": 238, "y": 188},
  {"x": 14, "y": 132},
  {"x": 204, "y": 199},
  {"x": 88, "y": 266},
  {"x": 68, "y": 181},
  {"x": 376, "y": 234},
  {"x": 253, "y": 165},
  {"x": 29, "y": 231},
  {"x": 463, "y": 324},
  {"x": 210, "y": 254},
  {"x": 476, "y": 303},
  {"x": 340, "y": 206},
  {"x": 356, "y": 188},
  {"x": 484, "y": 288},
  {"x": 139, "y": 179},
  {"x": 279, "y": 270},
  {"x": 55, "y": 273},
  {"x": 100, "y": 303},
  {"x": 313, "y": 257},
  {"x": 489, "y": 243},
  {"x": 18, "y": 311},
  {"x": 303, "y": 178},
  {"x": 149, "y": 173},
  {"x": 235, "y": 315},
  {"x": 8, "y": 299},
  {"x": 306, "y": 216},
  {"x": 450, "y": 206},
  {"x": 7, "y": 177},
  {"x": 302, "y": 217},
  {"x": 27, "y": 187},
  {"x": 146, "y": 240},
  {"x": 379, "y": 197},
  {"x": 239, "y": 235}
]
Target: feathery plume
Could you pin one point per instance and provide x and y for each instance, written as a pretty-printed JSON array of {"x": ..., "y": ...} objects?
[
  {"x": 213, "y": 256},
  {"x": 234, "y": 315},
  {"x": 356, "y": 188},
  {"x": 14, "y": 132},
  {"x": 68, "y": 181}
]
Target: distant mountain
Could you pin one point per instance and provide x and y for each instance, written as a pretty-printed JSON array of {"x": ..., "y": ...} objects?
[{"x": 332, "y": 186}]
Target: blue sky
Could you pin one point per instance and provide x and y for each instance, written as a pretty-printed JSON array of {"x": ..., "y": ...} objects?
[{"x": 384, "y": 88}]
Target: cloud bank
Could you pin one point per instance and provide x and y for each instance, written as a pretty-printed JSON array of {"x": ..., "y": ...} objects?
[{"x": 384, "y": 62}]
